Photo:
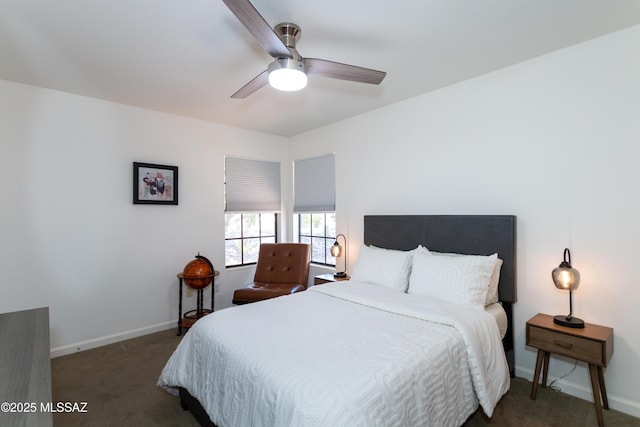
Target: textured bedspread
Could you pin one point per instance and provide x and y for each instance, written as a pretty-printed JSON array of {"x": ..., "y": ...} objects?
[{"x": 343, "y": 354}]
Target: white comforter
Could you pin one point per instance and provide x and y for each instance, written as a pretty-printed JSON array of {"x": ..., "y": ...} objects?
[{"x": 342, "y": 354}]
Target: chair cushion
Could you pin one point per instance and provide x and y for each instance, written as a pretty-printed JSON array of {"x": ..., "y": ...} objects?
[{"x": 259, "y": 291}]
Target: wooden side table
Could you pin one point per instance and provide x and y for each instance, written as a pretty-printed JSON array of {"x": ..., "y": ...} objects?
[
  {"x": 327, "y": 278},
  {"x": 592, "y": 344}
]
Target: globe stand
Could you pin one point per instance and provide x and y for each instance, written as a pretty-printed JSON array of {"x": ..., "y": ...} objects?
[{"x": 192, "y": 316}]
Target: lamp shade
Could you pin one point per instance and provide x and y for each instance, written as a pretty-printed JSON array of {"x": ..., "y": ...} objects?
[
  {"x": 336, "y": 249},
  {"x": 566, "y": 277}
]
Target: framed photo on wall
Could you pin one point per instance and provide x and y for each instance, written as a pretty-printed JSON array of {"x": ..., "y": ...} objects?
[{"x": 155, "y": 184}]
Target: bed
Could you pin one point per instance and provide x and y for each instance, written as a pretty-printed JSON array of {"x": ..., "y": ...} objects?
[{"x": 361, "y": 353}]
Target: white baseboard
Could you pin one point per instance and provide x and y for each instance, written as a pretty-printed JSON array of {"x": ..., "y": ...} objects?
[
  {"x": 110, "y": 339},
  {"x": 617, "y": 403}
]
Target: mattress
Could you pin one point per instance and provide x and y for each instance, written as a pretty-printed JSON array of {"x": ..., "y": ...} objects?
[
  {"x": 342, "y": 355},
  {"x": 500, "y": 316}
]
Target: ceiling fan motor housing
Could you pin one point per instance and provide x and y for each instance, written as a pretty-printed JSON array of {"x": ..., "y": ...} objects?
[
  {"x": 287, "y": 64},
  {"x": 289, "y": 33}
]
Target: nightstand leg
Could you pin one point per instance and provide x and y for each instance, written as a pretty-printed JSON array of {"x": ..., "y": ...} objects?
[
  {"x": 545, "y": 368},
  {"x": 536, "y": 375},
  {"x": 595, "y": 385},
  {"x": 603, "y": 389}
]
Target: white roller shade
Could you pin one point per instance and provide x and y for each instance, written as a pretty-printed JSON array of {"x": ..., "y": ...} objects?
[
  {"x": 251, "y": 185},
  {"x": 314, "y": 184}
]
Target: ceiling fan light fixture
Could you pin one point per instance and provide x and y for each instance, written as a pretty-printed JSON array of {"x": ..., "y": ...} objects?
[{"x": 287, "y": 74}]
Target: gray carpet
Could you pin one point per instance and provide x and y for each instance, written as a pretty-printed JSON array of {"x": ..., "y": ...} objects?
[{"x": 118, "y": 382}]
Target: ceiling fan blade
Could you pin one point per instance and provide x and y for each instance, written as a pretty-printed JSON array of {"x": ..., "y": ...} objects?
[
  {"x": 258, "y": 27},
  {"x": 336, "y": 70},
  {"x": 258, "y": 81}
]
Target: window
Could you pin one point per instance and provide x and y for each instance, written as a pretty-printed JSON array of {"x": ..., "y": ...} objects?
[
  {"x": 252, "y": 200},
  {"x": 318, "y": 230},
  {"x": 244, "y": 232},
  {"x": 314, "y": 206},
  {"x": 314, "y": 185}
]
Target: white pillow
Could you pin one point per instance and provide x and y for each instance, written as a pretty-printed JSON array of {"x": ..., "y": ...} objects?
[
  {"x": 492, "y": 290},
  {"x": 385, "y": 267},
  {"x": 460, "y": 280}
]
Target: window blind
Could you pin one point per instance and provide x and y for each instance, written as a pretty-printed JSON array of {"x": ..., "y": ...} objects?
[
  {"x": 251, "y": 185},
  {"x": 314, "y": 184}
]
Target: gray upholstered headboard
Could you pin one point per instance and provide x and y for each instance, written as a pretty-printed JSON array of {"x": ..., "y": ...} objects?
[{"x": 465, "y": 234}]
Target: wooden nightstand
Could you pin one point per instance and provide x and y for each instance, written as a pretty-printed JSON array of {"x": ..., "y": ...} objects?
[
  {"x": 592, "y": 344},
  {"x": 327, "y": 278}
]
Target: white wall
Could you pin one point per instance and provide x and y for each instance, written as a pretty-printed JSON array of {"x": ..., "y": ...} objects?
[
  {"x": 71, "y": 239},
  {"x": 555, "y": 141}
]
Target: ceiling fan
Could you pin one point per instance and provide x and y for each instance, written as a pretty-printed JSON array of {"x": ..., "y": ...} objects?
[{"x": 289, "y": 70}]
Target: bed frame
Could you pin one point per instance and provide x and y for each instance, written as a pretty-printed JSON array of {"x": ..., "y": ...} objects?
[{"x": 465, "y": 234}]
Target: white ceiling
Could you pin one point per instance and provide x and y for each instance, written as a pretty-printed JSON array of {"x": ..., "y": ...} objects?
[{"x": 188, "y": 57}]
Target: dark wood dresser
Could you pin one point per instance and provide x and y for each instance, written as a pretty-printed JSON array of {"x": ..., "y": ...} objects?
[{"x": 25, "y": 368}]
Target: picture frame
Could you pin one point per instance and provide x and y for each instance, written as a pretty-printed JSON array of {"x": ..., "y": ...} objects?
[{"x": 155, "y": 184}]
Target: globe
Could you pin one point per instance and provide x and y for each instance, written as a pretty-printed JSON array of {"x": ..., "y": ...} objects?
[{"x": 197, "y": 274}]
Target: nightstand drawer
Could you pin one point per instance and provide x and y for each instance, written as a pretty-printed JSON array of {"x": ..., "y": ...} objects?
[{"x": 567, "y": 345}]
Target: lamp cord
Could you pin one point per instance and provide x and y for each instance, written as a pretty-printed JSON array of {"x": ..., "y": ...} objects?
[{"x": 556, "y": 388}]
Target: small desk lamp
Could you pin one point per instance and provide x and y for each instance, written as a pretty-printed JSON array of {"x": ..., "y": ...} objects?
[
  {"x": 336, "y": 251},
  {"x": 565, "y": 277}
]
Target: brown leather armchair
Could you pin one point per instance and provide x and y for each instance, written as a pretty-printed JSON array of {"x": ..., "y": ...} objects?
[{"x": 282, "y": 269}]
